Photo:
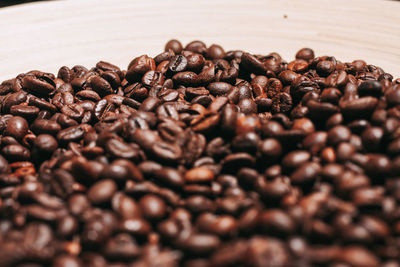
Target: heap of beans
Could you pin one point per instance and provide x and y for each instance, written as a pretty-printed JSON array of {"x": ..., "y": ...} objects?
[{"x": 198, "y": 158}]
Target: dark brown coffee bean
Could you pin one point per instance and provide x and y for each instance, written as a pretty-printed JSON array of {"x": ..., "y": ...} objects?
[
  {"x": 370, "y": 88},
  {"x": 186, "y": 78},
  {"x": 153, "y": 207},
  {"x": 262, "y": 251},
  {"x": 358, "y": 108},
  {"x": 295, "y": 159},
  {"x": 41, "y": 86},
  {"x": 201, "y": 243},
  {"x": 252, "y": 64},
  {"x": 219, "y": 88},
  {"x": 215, "y": 52},
  {"x": 78, "y": 203},
  {"x": 62, "y": 98},
  {"x": 339, "y": 134},
  {"x": 120, "y": 149},
  {"x": 27, "y": 112},
  {"x": 138, "y": 67},
  {"x": 152, "y": 78},
  {"x": 325, "y": 67},
  {"x": 306, "y": 172},
  {"x": 177, "y": 63},
  {"x": 276, "y": 222},
  {"x": 196, "y": 47},
  {"x": 205, "y": 122},
  {"x": 42, "y": 126},
  {"x": 102, "y": 191},
  {"x": 282, "y": 103},
  {"x": 306, "y": 54},
  {"x": 195, "y": 62},
  {"x": 74, "y": 111},
  {"x": 67, "y": 226},
  {"x": 45, "y": 143},
  {"x": 17, "y": 127},
  {"x": 16, "y": 153},
  {"x": 231, "y": 145},
  {"x": 247, "y": 106},
  {"x": 169, "y": 176},
  {"x": 73, "y": 133},
  {"x": 393, "y": 96},
  {"x": 101, "y": 86},
  {"x": 174, "y": 45}
]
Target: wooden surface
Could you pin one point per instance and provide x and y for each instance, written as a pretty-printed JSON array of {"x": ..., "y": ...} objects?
[{"x": 47, "y": 35}]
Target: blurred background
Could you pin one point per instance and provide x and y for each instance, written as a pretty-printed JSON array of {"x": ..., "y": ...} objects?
[{"x": 4, "y": 3}]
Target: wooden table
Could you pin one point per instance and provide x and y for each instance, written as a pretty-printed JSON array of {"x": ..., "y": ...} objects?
[{"x": 47, "y": 35}]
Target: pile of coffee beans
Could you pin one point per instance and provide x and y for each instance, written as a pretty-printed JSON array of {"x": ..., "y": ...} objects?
[{"x": 200, "y": 157}]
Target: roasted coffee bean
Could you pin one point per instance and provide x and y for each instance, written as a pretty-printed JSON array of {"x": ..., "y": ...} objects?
[
  {"x": 139, "y": 66},
  {"x": 200, "y": 243},
  {"x": 177, "y": 63},
  {"x": 282, "y": 103},
  {"x": 16, "y": 153},
  {"x": 199, "y": 175},
  {"x": 17, "y": 127},
  {"x": 102, "y": 191},
  {"x": 42, "y": 126},
  {"x": 196, "y": 47},
  {"x": 276, "y": 222},
  {"x": 229, "y": 146},
  {"x": 169, "y": 176},
  {"x": 174, "y": 45},
  {"x": 305, "y": 53},
  {"x": 152, "y": 207},
  {"x": 46, "y": 144},
  {"x": 219, "y": 88},
  {"x": 27, "y": 112},
  {"x": 247, "y": 106},
  {"x": 41, "y": 86}
]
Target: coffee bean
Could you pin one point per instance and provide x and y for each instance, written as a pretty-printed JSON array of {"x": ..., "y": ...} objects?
[
  {"x": 125, "y": 206},
  {"x": 101, "y": 86},
  {"x": 16, "y": 153},
  {"x": 247, "y": 106},
  {"x": 229, "y": 146},
  {"x": 199, "y": 175},
  {"x": 219, "y": 88},
  {"x": 27, "y": 112},
  {"x": 139, "y": 66},
  {"x": 305, "y": 53},
  {"x": 281, "y": 103},
  {"x": 102, "y": 191},
  {"x": 276, "y": 221},
  {"x": 17, "y": 127},
  {"x": 169, "y": 176},
  {"x": 177, "y": 63},
  {"x": 120, "y": 149},
  {"x": 306, "y": 172},
  {"x": 196, "y": 47},
  {"x": 174, "y": 45},
  {"x": 153, "y": 207},
  {"x": 46, "y": 143},
  {"x": 186, "y": 78},
  {"x": 42, "y": 126},
  {"x": 295, "y": 159},
  {"x": 358, "y": 108},
  {"x": 41, "y": 86},
  {"x": 201, "y": 243},
  {"x": 215, "y": 52}
]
